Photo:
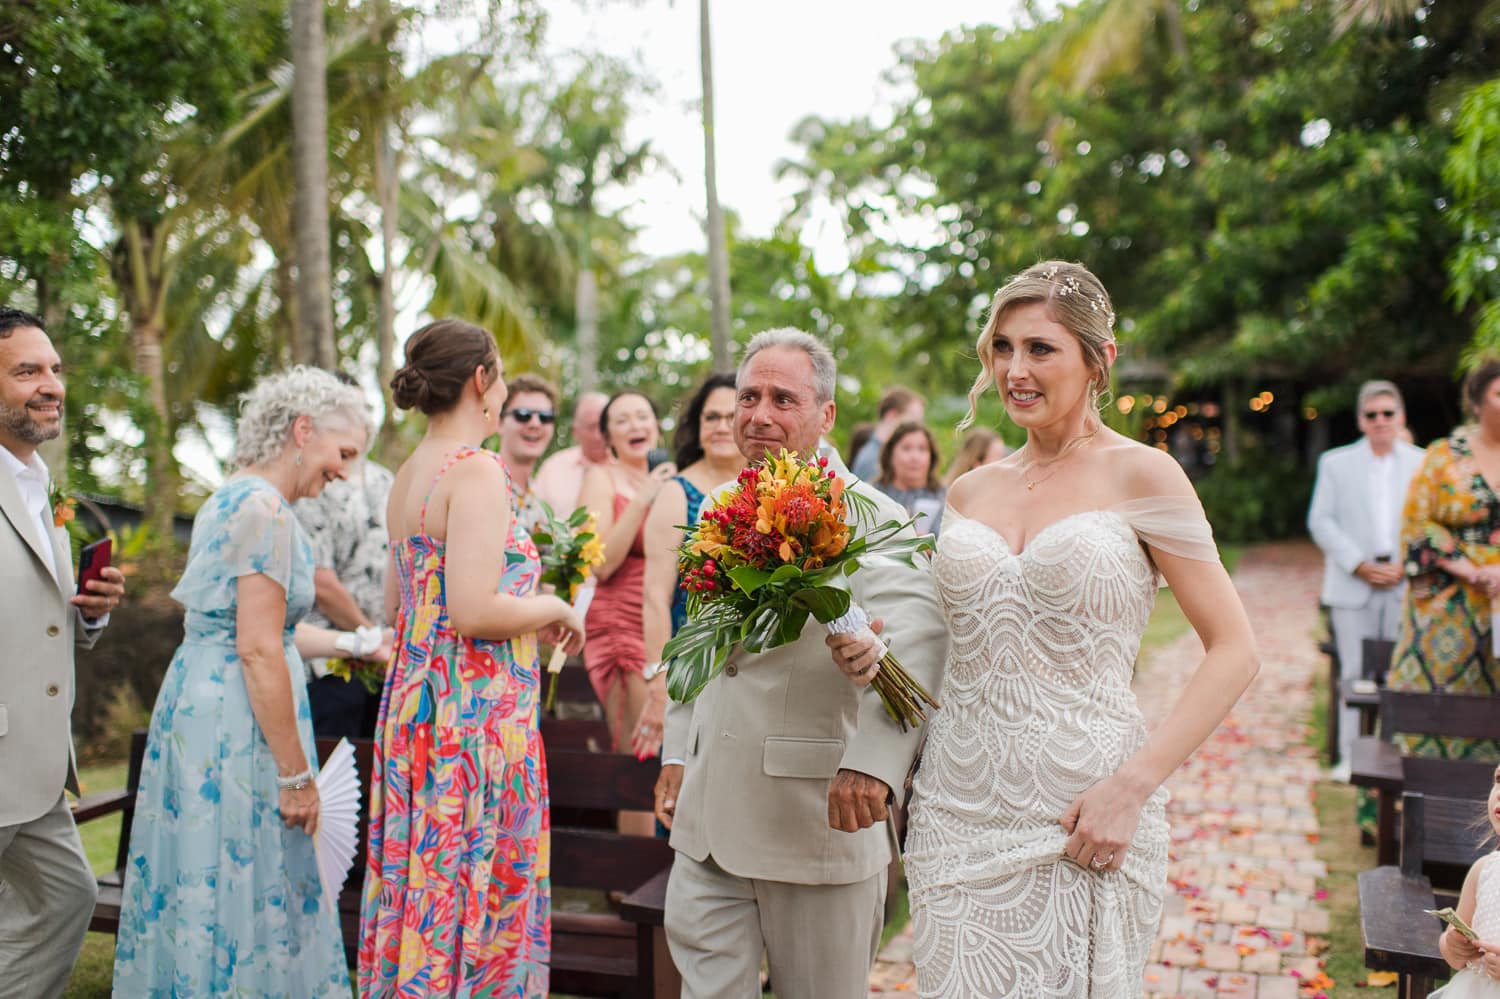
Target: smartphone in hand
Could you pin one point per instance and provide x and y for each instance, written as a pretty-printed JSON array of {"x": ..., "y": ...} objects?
[
  {"x": 92, "y": 561},
  {"x": 657, "y": 456}
]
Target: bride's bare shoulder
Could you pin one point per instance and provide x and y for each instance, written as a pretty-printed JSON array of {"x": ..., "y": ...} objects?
[
  {"x": 971, "y": 488},
  {"x": 1142, "y": 470}
]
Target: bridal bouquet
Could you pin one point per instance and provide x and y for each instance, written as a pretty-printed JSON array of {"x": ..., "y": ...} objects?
[
  {"x": 570, "y": 550},
  {"x": 774, "y": 550}
]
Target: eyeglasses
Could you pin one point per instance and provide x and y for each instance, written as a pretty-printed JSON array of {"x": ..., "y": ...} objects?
[
  {"x": 544, "y": 416},
  {"x": 1389, "y": 414}
]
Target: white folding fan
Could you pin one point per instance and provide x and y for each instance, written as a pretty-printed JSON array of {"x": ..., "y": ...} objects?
[{"x": 338, "y": 820}]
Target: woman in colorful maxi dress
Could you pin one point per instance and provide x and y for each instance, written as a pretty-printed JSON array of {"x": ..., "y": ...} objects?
[
  {"x": 457, "y": 894},
  {"x": 1451, "y": 535},
  {"x": 221, "y": 894}
]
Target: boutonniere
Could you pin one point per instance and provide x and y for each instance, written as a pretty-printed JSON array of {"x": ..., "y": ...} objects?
[{"x": 63, "y": 505}]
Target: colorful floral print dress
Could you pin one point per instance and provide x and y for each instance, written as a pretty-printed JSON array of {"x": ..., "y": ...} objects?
[
  {"x": 220, "y": 897},
  {"x": 457, "y": 897},
  {"x": 1445, "y": 638}
]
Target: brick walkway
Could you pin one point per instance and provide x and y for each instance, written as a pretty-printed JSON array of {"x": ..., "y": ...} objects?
[{"x": 1243, "y": 916}]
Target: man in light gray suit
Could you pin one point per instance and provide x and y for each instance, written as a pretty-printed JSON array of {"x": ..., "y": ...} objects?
[
  {"x": 1355, "y": 517},
  {"x": 46, "y": 888},
  {"x": 777, "y": 780}
]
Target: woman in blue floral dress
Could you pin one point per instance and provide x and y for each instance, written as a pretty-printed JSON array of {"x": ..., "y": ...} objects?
[{"x": 221, "y": 894}]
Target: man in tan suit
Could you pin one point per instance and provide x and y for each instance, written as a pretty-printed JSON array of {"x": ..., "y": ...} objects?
[
  {"x": 46, "y": 887},
  {"x": 777, "y": 780}
]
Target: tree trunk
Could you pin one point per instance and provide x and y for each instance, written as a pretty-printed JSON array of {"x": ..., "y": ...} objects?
[
  {"x": 718, "y": 250},
  {"x": 586, "y": 308},
  {"x": 143, "y": 281},
  {"x": 297, "y": 350},
  {"x": 310, "y": 166},
  {"x": 385, "y": 342},
  {"x": 386, "y": 193}
]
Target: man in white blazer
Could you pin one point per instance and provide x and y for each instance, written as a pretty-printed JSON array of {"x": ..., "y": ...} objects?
[
  {"x": 46, "y": 888},
  {"x": 777, "y": 780},
  {"x": 1355, "y": 517}
]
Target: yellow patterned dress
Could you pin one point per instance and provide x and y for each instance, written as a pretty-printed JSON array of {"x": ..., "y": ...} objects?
[{"x": 1445, "y": 640}]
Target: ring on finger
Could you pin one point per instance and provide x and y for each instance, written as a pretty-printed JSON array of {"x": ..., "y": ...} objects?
[{"x": 1100, "y": 863}]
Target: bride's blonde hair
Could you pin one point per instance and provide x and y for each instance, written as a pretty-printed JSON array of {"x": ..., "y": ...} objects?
[{"x": 1075, "y": 300}]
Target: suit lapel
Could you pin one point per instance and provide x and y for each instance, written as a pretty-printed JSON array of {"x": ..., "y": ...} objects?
[
  {"x": 20, "y": 518},
  {"x": 62, "y": 557}
]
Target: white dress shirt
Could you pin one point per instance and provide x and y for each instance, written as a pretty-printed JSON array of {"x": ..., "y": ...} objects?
[
  {"x": 31, "y": 480},
  {"x": 1386, "y": 496}
]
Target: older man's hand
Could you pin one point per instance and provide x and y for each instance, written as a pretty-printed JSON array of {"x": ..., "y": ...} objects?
[
  {"x": 857, "y": 801},
  {"x": 102, "y": 595}
]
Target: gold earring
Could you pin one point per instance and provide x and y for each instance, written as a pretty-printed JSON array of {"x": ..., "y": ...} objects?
[{"x": 486, "y": 412}]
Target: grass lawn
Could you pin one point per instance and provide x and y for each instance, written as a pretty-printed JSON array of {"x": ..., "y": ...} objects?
[{"x": 101, "y": 837}]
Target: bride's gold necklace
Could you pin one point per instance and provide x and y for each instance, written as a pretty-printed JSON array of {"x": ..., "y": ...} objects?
[{"x": 1067, "y": 449}]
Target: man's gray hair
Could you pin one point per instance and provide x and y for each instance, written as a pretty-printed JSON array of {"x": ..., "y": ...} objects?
[
  {"x": 825, "y": 369},
  {"x": 273, "y": 404},
  {"x": 1371, "y": 389}
]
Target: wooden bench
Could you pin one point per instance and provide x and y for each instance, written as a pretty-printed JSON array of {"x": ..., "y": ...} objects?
[
  {"x": 1376, "y": 761},
  {"x": 1436, "y": 833},
  {"x": 593, "y": 953},
  {"x": 106, "y": 918}
]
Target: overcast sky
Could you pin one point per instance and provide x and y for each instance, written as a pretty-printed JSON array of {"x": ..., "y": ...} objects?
[{"x": 774, "y": 62}]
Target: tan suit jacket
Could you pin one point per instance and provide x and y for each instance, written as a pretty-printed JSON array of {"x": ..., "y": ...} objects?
[
  {"x": 763, "y": 741},
  {"x": 38, "y": 631}
]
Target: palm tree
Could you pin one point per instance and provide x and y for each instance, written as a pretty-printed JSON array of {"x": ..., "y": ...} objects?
[
  {"x": 310, "y": 155},
  {"x": 718, "y": 249},
  {"x": 586, "y": 152},
  {"x": 1094, "y": 41}
]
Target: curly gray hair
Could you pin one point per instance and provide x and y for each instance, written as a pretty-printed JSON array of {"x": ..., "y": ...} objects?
[{"x": 273, "y": 404}]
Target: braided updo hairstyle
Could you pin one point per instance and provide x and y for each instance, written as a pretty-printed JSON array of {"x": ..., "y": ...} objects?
[{"x": 440, "y": 359}]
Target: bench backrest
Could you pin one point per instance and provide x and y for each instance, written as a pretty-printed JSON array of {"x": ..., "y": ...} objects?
[
  {"x": 1437, "y": 830},
  {"x": 1375, "y": 658},
  {"x": 1449, "y": 778},
  {"x": 575, "y": 733},
  {"x": 132, "y": 784},
  {"x": 1463, "y": 716}
]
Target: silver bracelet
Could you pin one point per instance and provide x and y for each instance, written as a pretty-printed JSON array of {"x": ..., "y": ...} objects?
[{"x": 295, "y": 782}]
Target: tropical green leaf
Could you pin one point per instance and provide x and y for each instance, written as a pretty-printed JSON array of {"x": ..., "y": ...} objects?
[
  {"x": 825, "y": 602},
  {"x": 789, "y": 626},
  {"x": 759, "y": 630},
  {"x": 749, "y": 579}
]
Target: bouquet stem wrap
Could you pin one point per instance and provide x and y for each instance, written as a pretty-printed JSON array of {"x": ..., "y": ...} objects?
[{"x": 901, "y": 694}]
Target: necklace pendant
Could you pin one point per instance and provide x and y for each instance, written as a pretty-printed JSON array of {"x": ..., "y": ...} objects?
[{"x": 1030, "y": 486}]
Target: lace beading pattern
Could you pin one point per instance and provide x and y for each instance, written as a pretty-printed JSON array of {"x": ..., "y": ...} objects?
[{"x": 1037, "y": 708}]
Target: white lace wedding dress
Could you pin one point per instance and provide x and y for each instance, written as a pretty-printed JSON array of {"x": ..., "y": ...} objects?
[{"x": 1037, "y": 708}]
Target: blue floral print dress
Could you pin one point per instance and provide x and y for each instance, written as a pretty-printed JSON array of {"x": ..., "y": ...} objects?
[{"x": 221, "y": 898}]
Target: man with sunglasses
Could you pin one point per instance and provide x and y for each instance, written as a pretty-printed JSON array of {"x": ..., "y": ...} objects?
[
  {"x": 1355, "y": 517},
  {"x": 526, "y": 429}
]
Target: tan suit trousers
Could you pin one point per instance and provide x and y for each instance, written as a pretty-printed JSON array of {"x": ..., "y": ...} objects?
[
  {"x": 47, "y": 896},
  {"x": 820, "y": 940}
]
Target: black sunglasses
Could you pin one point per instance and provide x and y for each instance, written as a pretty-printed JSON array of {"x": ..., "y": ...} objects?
[
  {"x": 1389, "y": 414},
  {"x": 544, "y": 416}
]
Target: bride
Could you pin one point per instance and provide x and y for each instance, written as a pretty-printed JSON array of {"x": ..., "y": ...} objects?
[{"x": 1037, "y": 847}]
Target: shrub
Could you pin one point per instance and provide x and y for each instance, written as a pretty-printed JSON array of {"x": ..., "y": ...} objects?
[{"x": 1262, "y": 497}]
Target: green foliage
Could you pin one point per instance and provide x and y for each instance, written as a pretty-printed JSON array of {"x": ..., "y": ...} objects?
[
  {"x": 1259, "y": 192},
  {"x": 1261, "y": 498}
]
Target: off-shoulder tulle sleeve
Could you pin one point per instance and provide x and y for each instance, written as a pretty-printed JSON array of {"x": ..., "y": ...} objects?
[{"x": 1173, "y": 524}]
